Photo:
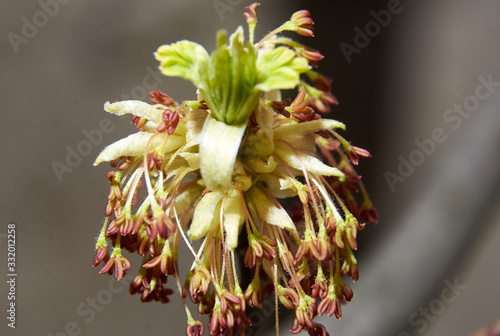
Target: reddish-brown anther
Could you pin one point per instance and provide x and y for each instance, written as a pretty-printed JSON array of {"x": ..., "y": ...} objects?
[
  {"x": 298, "y": 103},
  {"x": 330, "y": 305},
  {"x": 304, "y": 23},
  {"x": 312, "y": 55},
  {"x": 368, "y": 213},
  {"x": 319, "y": 288},
  {"x": 330, "y": 224},
  {"x": 279, "y": 106},
  {"x": 158, "y": 294},
  {"x": 199, "y": 283},
  {"x": 162, "y": 295},
  {"x": 109, "y": 208},
  {"x": 323, "y": 102},
  {"x": 251, "y": 14},
  {"x": 303, "y": 117},
  {"x": 119, "y": 263},
  {"x": 354, "y": 272},
  {"x": 253, "y": 294},
  {"x": 164, "y": 262},
  {"x": 111, "y": 175},
  {"x": 170, "y": 121},
  {"x": 226, "y": 299},
  {"x": 353, "y": 153},
  {"x": 347, "y": 291},
  {"x": 101, "y": 254},
  {"x": 305, "y": 316},
  {"x": 323, "y": 134},
  {"x": 139, "y": 122},
  {"x": 158, "y": 97},
  {"x": 320, "y": 81},
  {"x": 126, "y": 163},
  {"x": 138, "y": 284},
  {"x": 206, "y": 304},
  {"x": 217, "y": 323},
  {"x": 289, "y": 298},
  {"x": 309, "y": 245},
  {"x": 319, "y": 330},
  {"x": 296, "y": 327},
  {"x": 195, "y": 328},
  {"x": 260, "y": 247}
]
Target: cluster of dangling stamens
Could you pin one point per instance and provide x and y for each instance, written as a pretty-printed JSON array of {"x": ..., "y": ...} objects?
[{"x": 303, "y": 270}]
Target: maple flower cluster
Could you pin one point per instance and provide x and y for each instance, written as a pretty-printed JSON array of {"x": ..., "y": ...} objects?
[{"x": 249, "y": 175}]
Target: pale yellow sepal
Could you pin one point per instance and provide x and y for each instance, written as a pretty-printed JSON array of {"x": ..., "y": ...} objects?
[
  {"x": 218, "y": 150},
  {"x": 185, "y": 201},
  {"x": 267, "y": 210},
  {"x": 300, "y": 160},
  {"x": 233, "y": 218},
  {"x": 137, "y": 108},
  {"x": 206, "y": 215},
  {"x": 306, "y": 128},
  {"x": 132, "y": 145},
  {"x": 135, "y": 145}
]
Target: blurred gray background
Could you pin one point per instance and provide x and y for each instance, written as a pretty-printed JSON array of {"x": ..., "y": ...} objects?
[{"x": 416, "y": 77}]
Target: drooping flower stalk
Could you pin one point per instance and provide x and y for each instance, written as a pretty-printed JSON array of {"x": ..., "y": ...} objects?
[{"x": 238, "y": 167}]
